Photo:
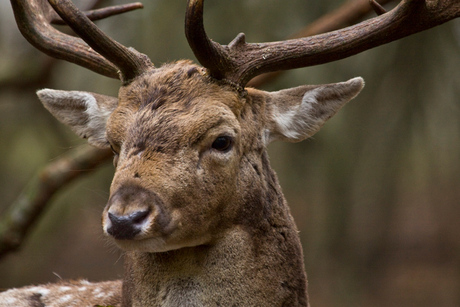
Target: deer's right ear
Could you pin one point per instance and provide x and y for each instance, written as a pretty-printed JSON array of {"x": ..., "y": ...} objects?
[{"x": 85, "y": 113}]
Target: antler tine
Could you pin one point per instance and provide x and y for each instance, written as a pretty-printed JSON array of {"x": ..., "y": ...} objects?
[
  {"x": 239, "y": 61},
  {"x": 130, "y": 62},
  {"x": 102, "y": 13}
]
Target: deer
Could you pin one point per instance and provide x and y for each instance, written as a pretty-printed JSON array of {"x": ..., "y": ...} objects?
[{"x": 194, "y": 204}]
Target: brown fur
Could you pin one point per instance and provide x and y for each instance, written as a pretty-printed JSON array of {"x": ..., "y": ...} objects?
[
  {"x": 251, "y": 252},
  {"x": 201, "y": 224}
]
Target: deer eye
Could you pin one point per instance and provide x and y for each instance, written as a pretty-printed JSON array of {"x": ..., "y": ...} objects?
[
  {"x": 115, "y": 153},
  {"x": 222, "y": 143}
]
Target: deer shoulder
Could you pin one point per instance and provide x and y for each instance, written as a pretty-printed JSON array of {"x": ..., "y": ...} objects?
[{"x": 64, "y": 293}]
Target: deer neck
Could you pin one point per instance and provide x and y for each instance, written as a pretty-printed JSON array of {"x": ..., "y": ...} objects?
[{"x": 255, "y": 260}]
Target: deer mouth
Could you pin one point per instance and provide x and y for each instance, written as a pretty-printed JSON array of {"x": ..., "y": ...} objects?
[
  {"x": 149, "y": 245},
  {"x": 159, "y": 244}
]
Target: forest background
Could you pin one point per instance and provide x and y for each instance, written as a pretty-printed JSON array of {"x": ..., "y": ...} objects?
[{"x": 375, "y": 194}]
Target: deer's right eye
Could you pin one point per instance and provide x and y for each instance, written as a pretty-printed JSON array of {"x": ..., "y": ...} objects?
[
  {"x": 222, "y": 143},
  {"x": 113, "y": 150}
]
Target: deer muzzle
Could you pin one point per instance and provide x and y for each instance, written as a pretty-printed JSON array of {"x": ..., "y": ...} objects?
[{"x": 134, "y": 213}]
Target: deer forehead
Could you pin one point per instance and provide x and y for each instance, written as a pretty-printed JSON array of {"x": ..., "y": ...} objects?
[
  {"x": 173, "y": 107},
  {"x": 176, "y": 83}
]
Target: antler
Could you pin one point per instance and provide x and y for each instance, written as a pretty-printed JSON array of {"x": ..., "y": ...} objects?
[
  {"x": 107, "y": 57},
  {"x": 104, "y": 12},
  {"x": 239, "y": 61}
]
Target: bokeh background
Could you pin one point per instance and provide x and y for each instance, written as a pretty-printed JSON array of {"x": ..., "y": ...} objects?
[{"x": 375, "y": 194}]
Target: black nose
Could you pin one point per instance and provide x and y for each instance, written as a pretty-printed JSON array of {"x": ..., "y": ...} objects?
[{"x": 126, "y": 227}]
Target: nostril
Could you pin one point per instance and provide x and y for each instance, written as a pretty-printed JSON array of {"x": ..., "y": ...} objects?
[
  {"x": 126, "y": 227},
  {"x": 139, "y": 216},
  {"x": 117, "y": 220}
]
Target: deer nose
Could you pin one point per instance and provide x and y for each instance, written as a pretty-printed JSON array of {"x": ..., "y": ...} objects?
[{"x": 126, "y": 227}]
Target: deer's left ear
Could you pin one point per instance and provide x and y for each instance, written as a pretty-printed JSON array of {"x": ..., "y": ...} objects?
[
  {"x": 297, "y": 113},
  {"x": 84, "y": 112}
]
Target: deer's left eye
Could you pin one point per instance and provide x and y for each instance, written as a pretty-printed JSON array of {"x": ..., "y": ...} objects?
[{"x": 222, "y": 143}]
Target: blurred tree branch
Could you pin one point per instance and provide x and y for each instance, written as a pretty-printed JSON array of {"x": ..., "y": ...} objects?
[
  {"x": 39, "y": 80},
  {"x": 17, "y": 221},
  {"x": 25, "y": 211}
]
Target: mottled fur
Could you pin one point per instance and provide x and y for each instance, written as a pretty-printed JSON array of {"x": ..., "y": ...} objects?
[{"x": 79, "y": 293}]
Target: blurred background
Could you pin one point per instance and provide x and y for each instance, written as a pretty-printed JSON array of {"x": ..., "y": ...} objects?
[{"x": 375, "y": 194}]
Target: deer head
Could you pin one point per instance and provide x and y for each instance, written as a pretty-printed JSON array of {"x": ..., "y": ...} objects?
[
  {"x": 187, "y": 141},
  {"x": 186, "y": 147},
  {"x": 192, "y": 175}
]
